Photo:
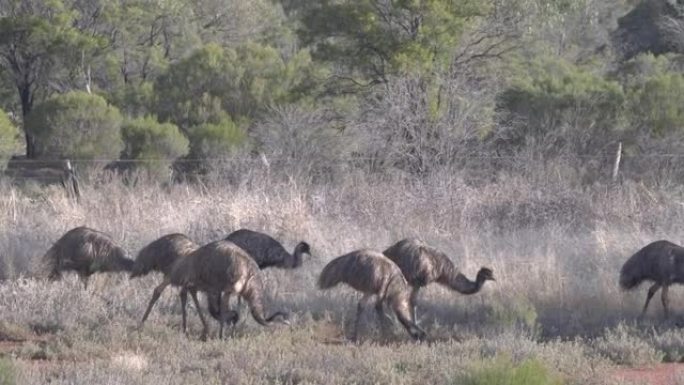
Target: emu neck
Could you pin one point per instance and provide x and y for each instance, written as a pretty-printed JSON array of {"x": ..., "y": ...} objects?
[
  {"x": 297, "y": 257},
  {"x": 460, "y": 283}
]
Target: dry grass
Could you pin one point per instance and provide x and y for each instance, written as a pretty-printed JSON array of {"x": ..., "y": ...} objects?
[{"x": 555, "y": 250}]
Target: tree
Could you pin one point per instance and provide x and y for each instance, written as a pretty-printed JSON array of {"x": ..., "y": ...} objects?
[
  {"x": 9, "y": 139},
  {"x": 37, "y": 38},
  {"x": 75, "y": 125},
  {"x": 374, "y": 39},
  {"x": 240, "y": 82},
  {"x": 559, "y": 106},
  {"x": 215, "y": 140},
  {"x": 153, "y": 145}
]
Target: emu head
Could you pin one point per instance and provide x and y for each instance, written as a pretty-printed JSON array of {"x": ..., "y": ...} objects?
[
  {"x": 121, "y": 260},
  {"x": 301, "y": 248},
  {"x": 485, "y": 274},
  {"x": 280, "y": 317},
  {"x": 417, "y": 333}
]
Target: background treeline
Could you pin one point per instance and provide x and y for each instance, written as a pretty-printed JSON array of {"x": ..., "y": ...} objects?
[{"x": 326, "y": 87}]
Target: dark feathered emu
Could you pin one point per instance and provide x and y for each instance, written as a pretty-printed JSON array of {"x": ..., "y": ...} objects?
[
  {"x": 85, "y": 251},
  {"x": 661, "y": 262},
  {"x": 422, "y": 264},
  {"x": 266, "y": 251},
  {"x": 374, "y": 275},
  {"x": 223, "y": 267},
  {"x": 160, "y": 256}
]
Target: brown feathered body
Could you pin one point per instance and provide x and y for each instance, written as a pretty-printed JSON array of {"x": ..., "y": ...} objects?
[
  {"x": 266, "y": 251},
  {"x": 422, "y": 264},
  {"x": 162, "y": 255},
  {"x": 223, "y": 267},
  {"x": 85, "y": 251},
  {"x": 660, "y": 262},
  {"x": 371, "y": 273}
]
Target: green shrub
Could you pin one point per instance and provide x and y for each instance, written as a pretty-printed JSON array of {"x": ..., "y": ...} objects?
[
  {"x": 625, "y": 345},
  {"x": 502, "y": 371},
  {"x": 657, "y": 104},
  {"x": 152, "y": 144},
  {"x": 9, "y": 139},
  {"x": 76, "y": 125},
  {"x": 562, "y": 104},
  {"x": 7, "y": 376},
  {"x": 519, "y": 312},
  {"x": 240, "y": 81},
  {"x": 215, "y": 140}
]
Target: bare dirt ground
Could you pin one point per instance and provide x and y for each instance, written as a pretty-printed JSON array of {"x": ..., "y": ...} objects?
[{"x": 660, "y": 374}]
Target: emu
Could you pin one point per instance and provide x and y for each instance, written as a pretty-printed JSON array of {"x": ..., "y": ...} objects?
[
  {"x": 661, "y": 262},
  {"x": 160, "y": 256},
  {"x": 223, "y": 267},
  {"x": 266, "y": 251},
  {"x": 371, "y": 273},
  {"x": 422, "y": 264},
  {"x": 85, "y": 251}
]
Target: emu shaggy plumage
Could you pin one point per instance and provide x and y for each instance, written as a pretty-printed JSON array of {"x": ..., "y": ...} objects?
[
  {"x": 266, "y": 251},
  {"x": 374, "y": 275},
  {"x": 161, "y": 256},
  {"x": 223, "y": 267},
  {"x": 660, "y": 262},
  {"x": 422, "y": 264},
  {"x": 85, "y": 251}
]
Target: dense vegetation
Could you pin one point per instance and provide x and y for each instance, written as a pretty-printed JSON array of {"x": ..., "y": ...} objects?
[{"x": 391, "y": 85}]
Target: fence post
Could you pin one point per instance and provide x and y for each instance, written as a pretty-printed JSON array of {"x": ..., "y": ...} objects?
[
  {"x": 616, "y": 164},
  {"x": 70, "y": 181}
]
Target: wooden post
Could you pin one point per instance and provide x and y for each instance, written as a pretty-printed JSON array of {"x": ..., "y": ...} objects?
[
  {"x": 70, "y": 181},
  {"x": 616, "y": 165}
]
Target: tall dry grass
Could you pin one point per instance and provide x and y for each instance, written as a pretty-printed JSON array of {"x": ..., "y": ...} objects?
[{"x": 555, "y": 247}]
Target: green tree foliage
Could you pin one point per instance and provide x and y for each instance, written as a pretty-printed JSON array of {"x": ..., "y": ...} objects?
[
  {"x": 38, "y": 40},
  {"x": 76, "y": 125},
  {"x": 658, "y": 104},
  {"x": 655, "y": 90},
  {"x": 214, "y": 81},
  {"x": 376, "y": 39},
  {"x": 215, "y": 140},
  {"x": 560, "y": 103},
  {"x": 9, "y": 139},
  {"x": 153, "y": 145}
]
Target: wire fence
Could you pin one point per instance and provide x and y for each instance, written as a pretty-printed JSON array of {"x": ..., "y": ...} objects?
[{"x": 339, "y": 159}]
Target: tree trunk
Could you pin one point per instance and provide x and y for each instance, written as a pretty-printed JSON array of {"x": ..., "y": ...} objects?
[{"x": 26, "y": 105}]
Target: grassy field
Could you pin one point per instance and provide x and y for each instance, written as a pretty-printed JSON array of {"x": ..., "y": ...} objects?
[{"x": 555, "y": 314}]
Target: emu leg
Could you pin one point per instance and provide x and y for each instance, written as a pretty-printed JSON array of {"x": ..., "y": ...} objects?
[
  {"x": 414, "y": 306},
  {"x": 359, "y": 314},
  {"x": 205, "y": 328},
  {"x": 155, "y": 296},
  {"x": 184, "y": 302},
  {"x": 84, "y": 279},
  {"x": 382, "y": 317},
  {"x": 665, "y": 300},
  {"x": 651, "y": 293},
  {"x": 223, "y": 309}
]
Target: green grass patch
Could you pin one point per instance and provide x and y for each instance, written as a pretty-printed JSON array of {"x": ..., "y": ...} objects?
[{"x": 503, "y": 371}]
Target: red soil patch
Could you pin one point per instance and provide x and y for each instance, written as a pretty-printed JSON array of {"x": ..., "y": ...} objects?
[{"x": 661, "y": 374}]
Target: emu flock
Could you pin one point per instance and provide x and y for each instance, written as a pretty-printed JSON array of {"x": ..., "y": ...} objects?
[{"x": 231, "y": 266}]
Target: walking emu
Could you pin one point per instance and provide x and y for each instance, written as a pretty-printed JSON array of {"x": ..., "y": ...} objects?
[
  {"x": 161, "y": 255},
  {"x": 373, "y": 274},
  {"x": 661, "y": 262},
  {"x": 422, "y": 264},
  {"x": 85, "y": 251},
  {"x": 266, "y": 251},
  {"x": 223, "y": 267}
]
